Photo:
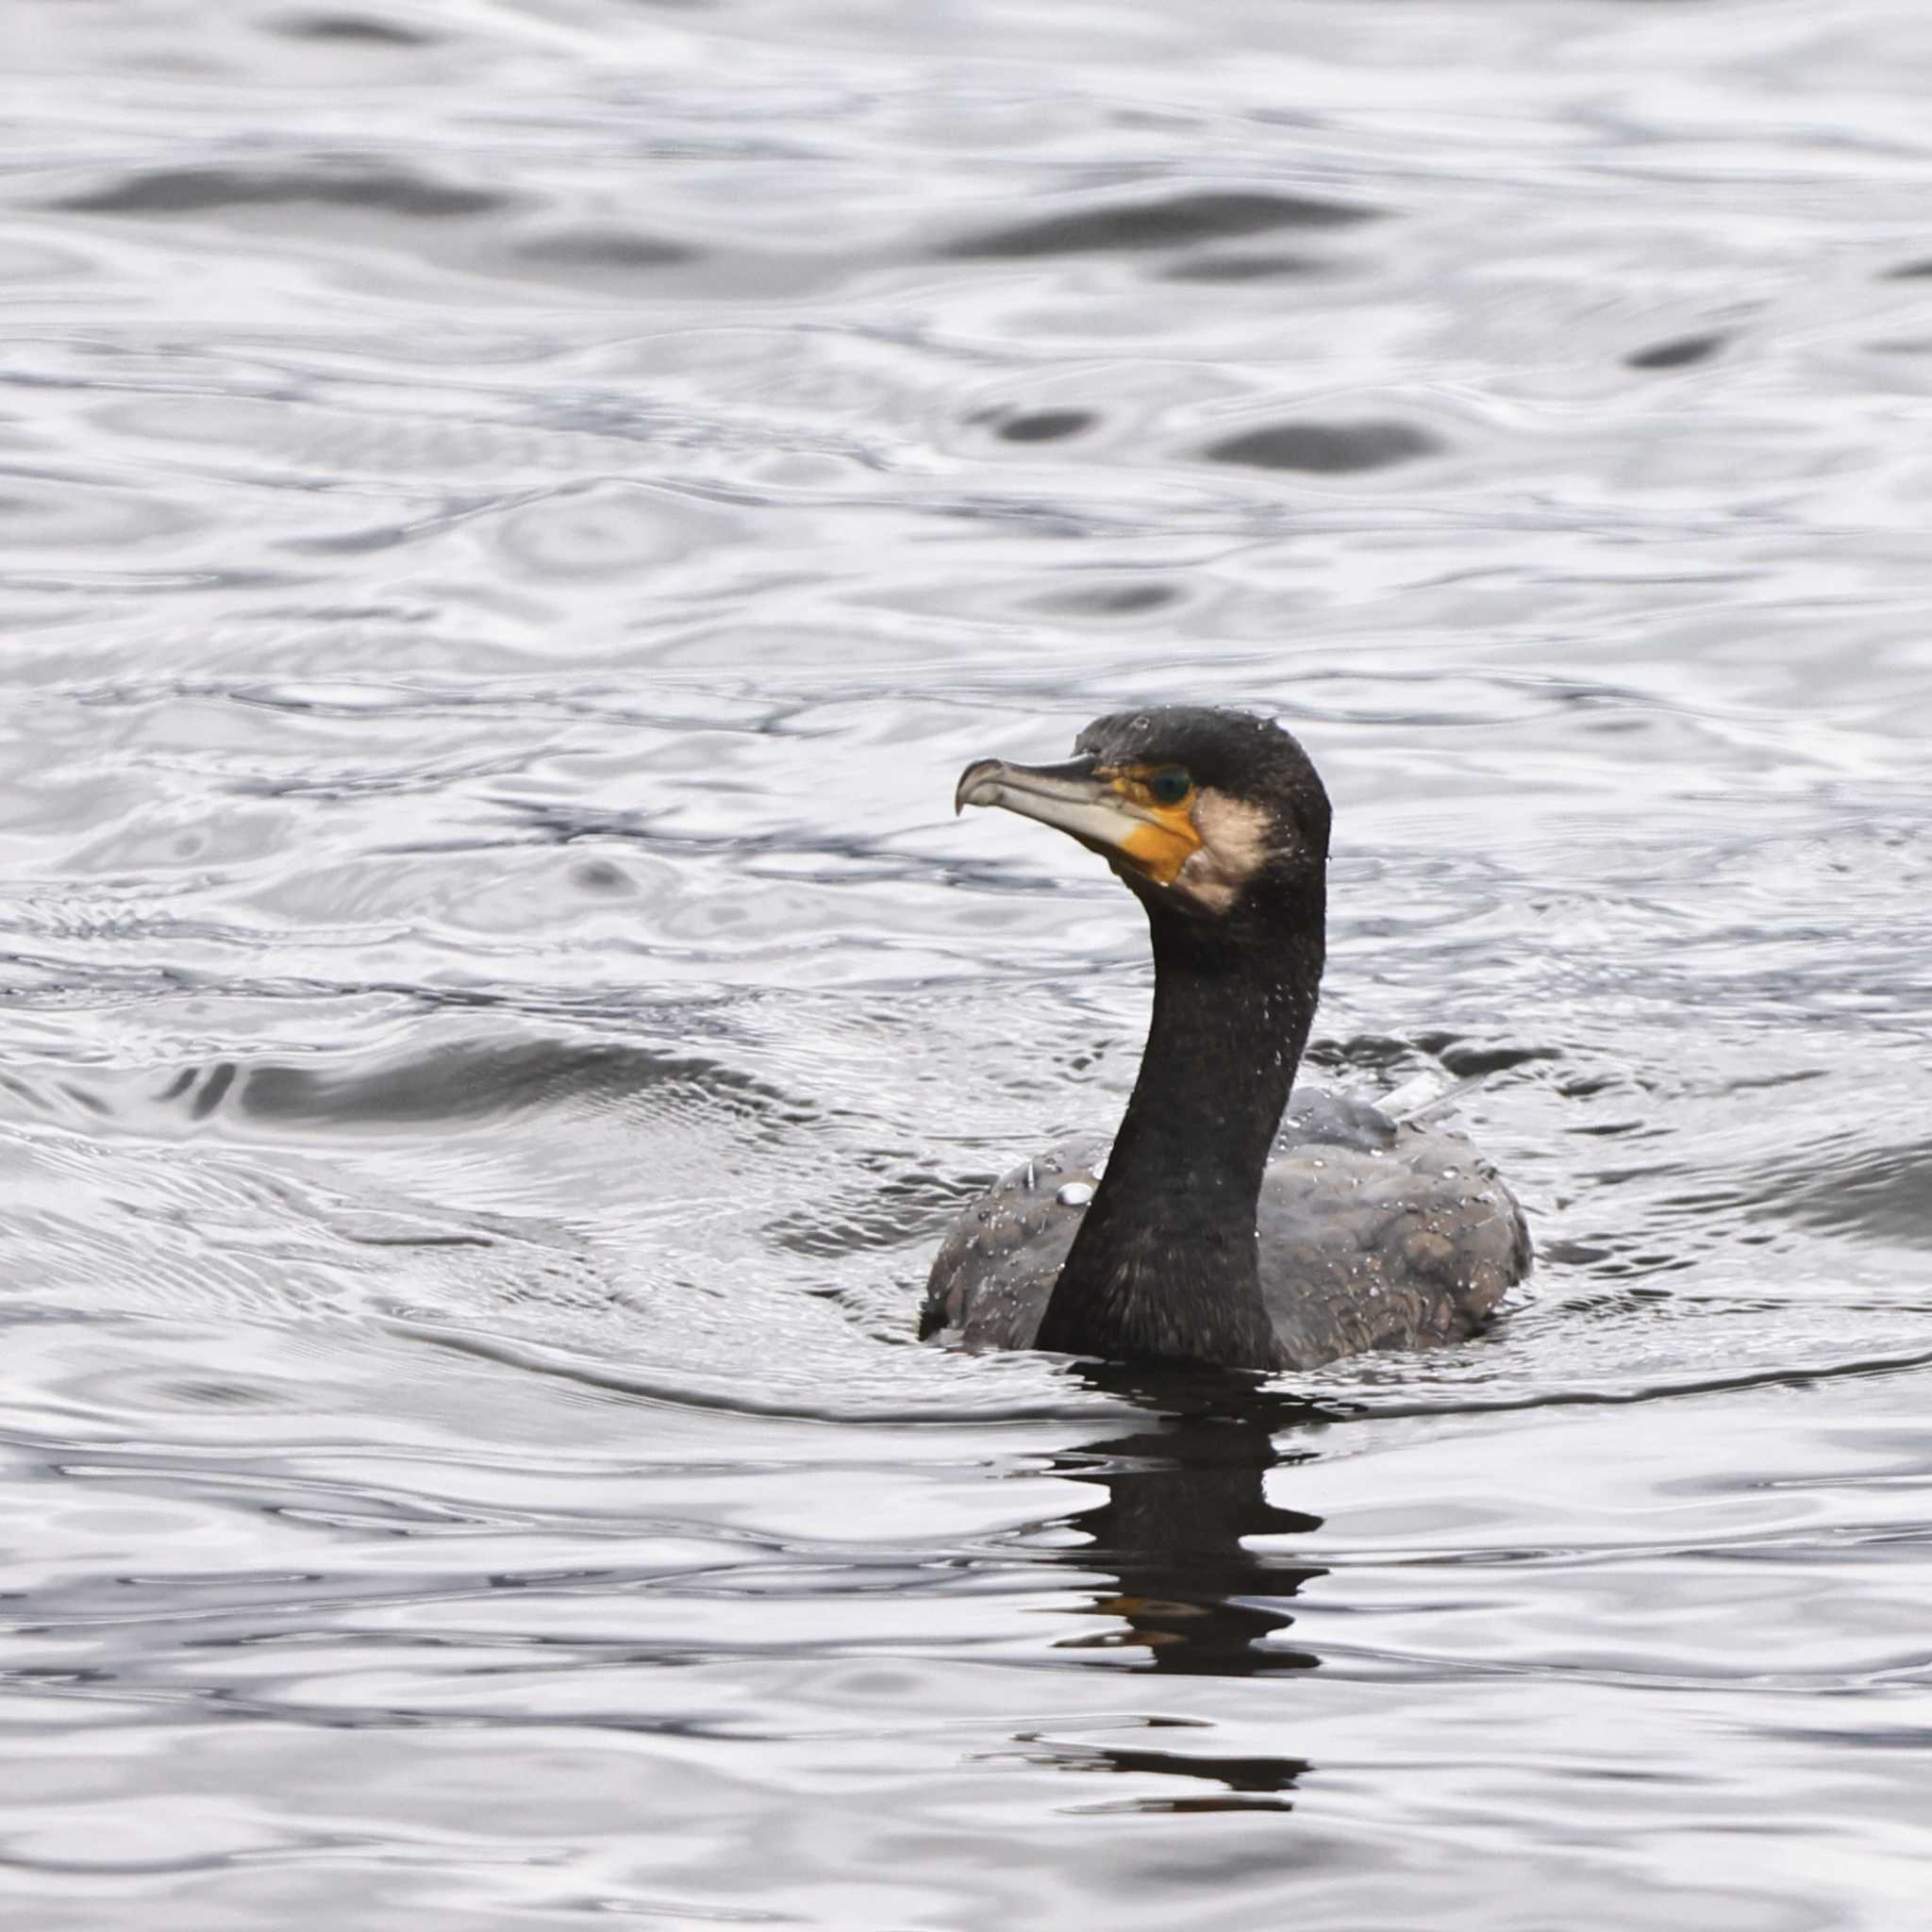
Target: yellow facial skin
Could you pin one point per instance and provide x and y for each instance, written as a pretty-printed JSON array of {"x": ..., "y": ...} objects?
[
  {"x": 1165, "y": 837},
  {"x": 1150, "y": 821}
]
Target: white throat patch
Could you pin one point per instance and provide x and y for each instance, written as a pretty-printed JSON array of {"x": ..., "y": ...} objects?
[{"x": 1234, "y": 847}]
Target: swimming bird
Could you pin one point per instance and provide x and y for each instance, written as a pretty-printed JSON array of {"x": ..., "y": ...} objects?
[{"x": 1214, "y": 1231}]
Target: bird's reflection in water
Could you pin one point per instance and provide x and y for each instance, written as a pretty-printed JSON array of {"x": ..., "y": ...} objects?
[{"x": 1184, "y": 1489}]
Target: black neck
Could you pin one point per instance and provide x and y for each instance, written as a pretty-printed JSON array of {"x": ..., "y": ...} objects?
[{"x": 1164, "y": 1264}]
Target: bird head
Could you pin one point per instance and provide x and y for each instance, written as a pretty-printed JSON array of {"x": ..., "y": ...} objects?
[{"x": 1208, "y": 814}]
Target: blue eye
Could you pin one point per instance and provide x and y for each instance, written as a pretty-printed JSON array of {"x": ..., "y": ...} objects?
[{"x": 1169, "y": 787}]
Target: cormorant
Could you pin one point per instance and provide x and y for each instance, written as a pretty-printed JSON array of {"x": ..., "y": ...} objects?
[{"x": 1214, "y": 1231}]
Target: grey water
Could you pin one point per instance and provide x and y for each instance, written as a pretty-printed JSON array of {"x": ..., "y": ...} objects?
[{"x": 515, "y": 512}]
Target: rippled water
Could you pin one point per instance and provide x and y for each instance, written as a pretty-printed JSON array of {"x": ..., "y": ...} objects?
[{"x": 514, "y": 514}]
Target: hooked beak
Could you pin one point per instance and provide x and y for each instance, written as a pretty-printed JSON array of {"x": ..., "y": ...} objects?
[{"x": 1091, "y": 803}]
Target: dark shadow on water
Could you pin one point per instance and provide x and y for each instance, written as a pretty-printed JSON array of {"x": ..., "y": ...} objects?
[
  {"x": 1109, "y": 599},
  {"x": 1844, "y": 1185},
  {"x": 360, "y": 29},
  {"x": 209, "y": 191},
  {"x": 617, "y": 248},
  {"x": 1241, "y": 1783},
  {"x": 1327, "y": 449},
  {"x": 456, "y": 1080},
  {"x": 1677, "y": 354},
  {"x": 1244, "y": 268},
  {"x": 1184, "y": 1489},
  {"x": 1045, "y": 426},
  {"x": 1169, "y": 221}
]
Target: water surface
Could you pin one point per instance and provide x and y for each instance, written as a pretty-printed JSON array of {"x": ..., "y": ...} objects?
[{"x": 513, "y": 515}]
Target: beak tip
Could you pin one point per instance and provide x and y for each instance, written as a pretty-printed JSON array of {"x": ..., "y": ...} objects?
[{"x": 963, "y": 793}]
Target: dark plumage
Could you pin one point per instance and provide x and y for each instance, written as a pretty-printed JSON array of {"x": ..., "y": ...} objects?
[{"x": 1214, "y": 1231}]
